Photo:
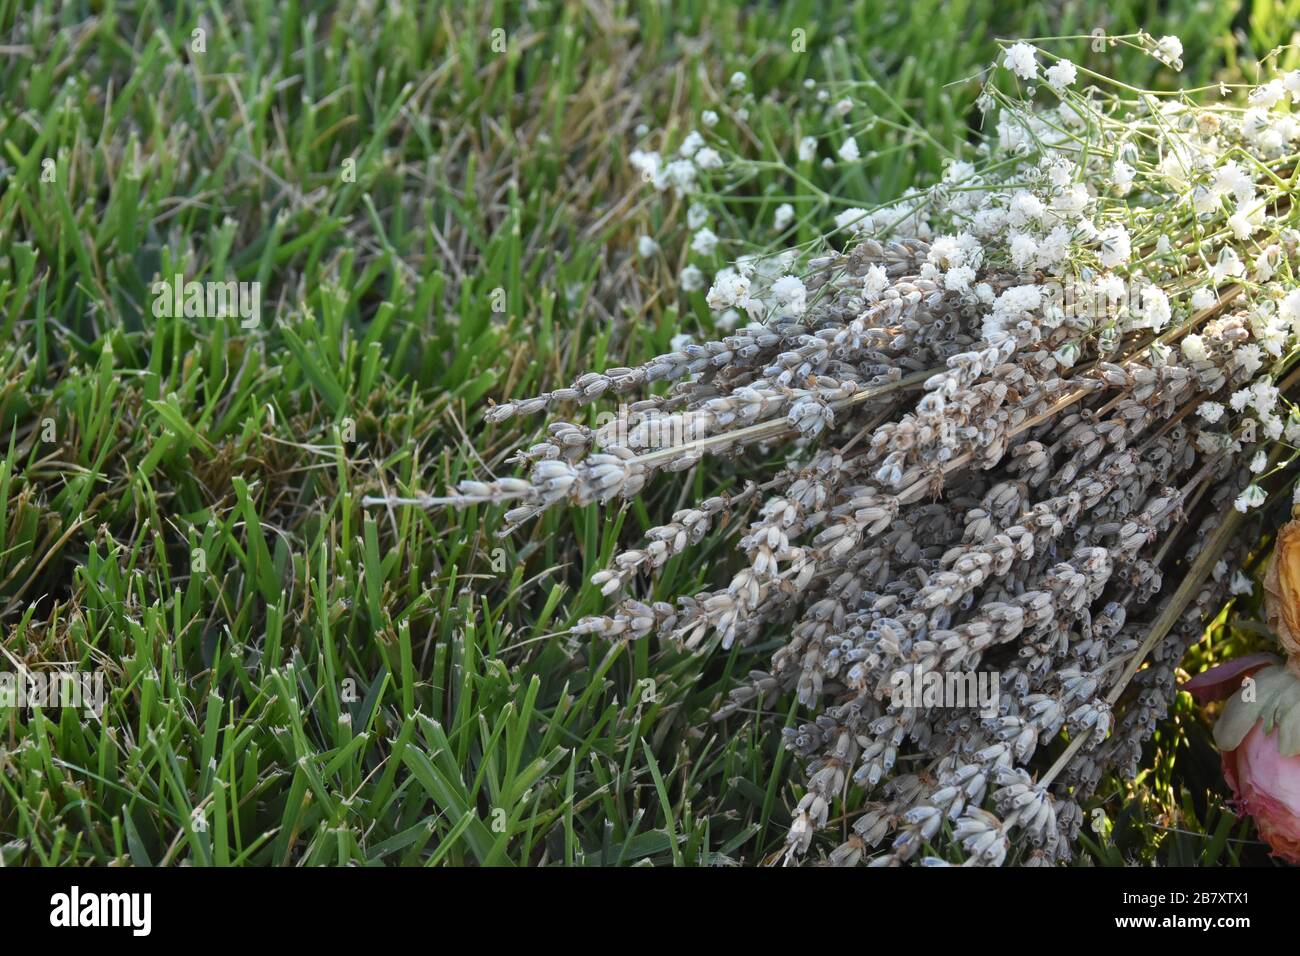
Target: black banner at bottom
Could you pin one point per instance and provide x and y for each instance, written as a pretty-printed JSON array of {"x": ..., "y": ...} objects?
[{"x": 145, "y": 907}]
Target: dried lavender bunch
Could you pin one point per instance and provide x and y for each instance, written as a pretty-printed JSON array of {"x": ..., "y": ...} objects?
[{"x": 1014, "y": 403}]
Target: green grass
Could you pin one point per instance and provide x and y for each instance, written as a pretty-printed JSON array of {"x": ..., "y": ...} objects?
[{"x": 295, "y": 679}]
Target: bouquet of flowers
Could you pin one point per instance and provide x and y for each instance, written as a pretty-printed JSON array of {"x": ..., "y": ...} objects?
[{"x": 1022, "y": 416}]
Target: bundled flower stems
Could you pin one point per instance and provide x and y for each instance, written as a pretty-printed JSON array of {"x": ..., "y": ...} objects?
[{"x": 1025, "y": 415}]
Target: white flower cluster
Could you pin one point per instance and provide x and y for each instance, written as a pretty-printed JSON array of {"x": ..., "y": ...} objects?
[{"x": 681, "y": 172}]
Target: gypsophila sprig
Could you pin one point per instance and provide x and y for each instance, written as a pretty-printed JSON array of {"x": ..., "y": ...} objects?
[{"x": 1012, "y": 401}]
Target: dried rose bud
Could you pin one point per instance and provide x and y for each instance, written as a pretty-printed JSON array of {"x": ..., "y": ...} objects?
[{"x": 1282, "y": 592}]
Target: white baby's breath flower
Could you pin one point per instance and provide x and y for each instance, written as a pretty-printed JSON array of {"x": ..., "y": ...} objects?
[
  {"x": 729, "y": 289},
  {"x": 692, "y": 279},
  {"x": 875, "y": 281},
  {"x": 848, "y": 151},
  {"x": 1272, "y": 333},
  {"x": 1193, "y": 347},
  {"x": 854, "y": 220},
  {"x": 1233, "y": 178},
  {"x": 1203, "y": 298},
  {"x": 738, "y": 80},
  {"x": 691, "y": 144},
  {"x": 680, "y": 174},
  {"x": 1240, "y": 584},
  {"x": 1025, "y": 207},
  {"x": 649, "y": 165},
  {"x": 1060, "y": 171},
  {"x": 782, "y": 217},
  {"x": 1291, "y": 81},
  {"x": 807, "y": 149},
  {"x": 1252, "y": 497},
  {"x": 1227, "y": 266},
  {"x": 1020, "y": 60},
  {"x": 708, "y": 158},
  {"x": 1155, "y": 307},
  {"x": 1203, "y": 199},
  {"x": 1244, "y": 226},
  {"x": 1111, "y": 287},
  {"x": 1023, "y": 249},
  {"x": 1122, "y": 177},
  {"x": 1248, "y": 358},
  {"x": 1267, "y": 95},
  {"x": 1258, "y": 463},
  {"x": 704, "y": 242},
  {"x": 1061, "y": 75},
  {"x": 958, "y": 171},
  {"x": 1266, "y": 262},
  {"x": 1073, "y": 202},
  {"x": 946, "y": 252},
  {"x": 972, "y": 250},
  {"x": 709, "y": 118},
  {"x": 1289, "y": 308},
  {"x": 697, "y": 215},
  {"x": 1014, "y": 304},
  {"x": 1066, "y": 355},
  {"x": 958, "y": 279},
  {"x": 1264, "y": 396},
  {"x": 1073, "y": 118},
  {"x": 1169, "y": 50},
  {"x": 989, "y": 222},
  {"x": 646, "y": 247},
  {"x": 1292, "y": 431},
  {"x": 1210, "y": 411},
  {"x": 791, "y": 295},
  {"x": 1116, "y": 247}
]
